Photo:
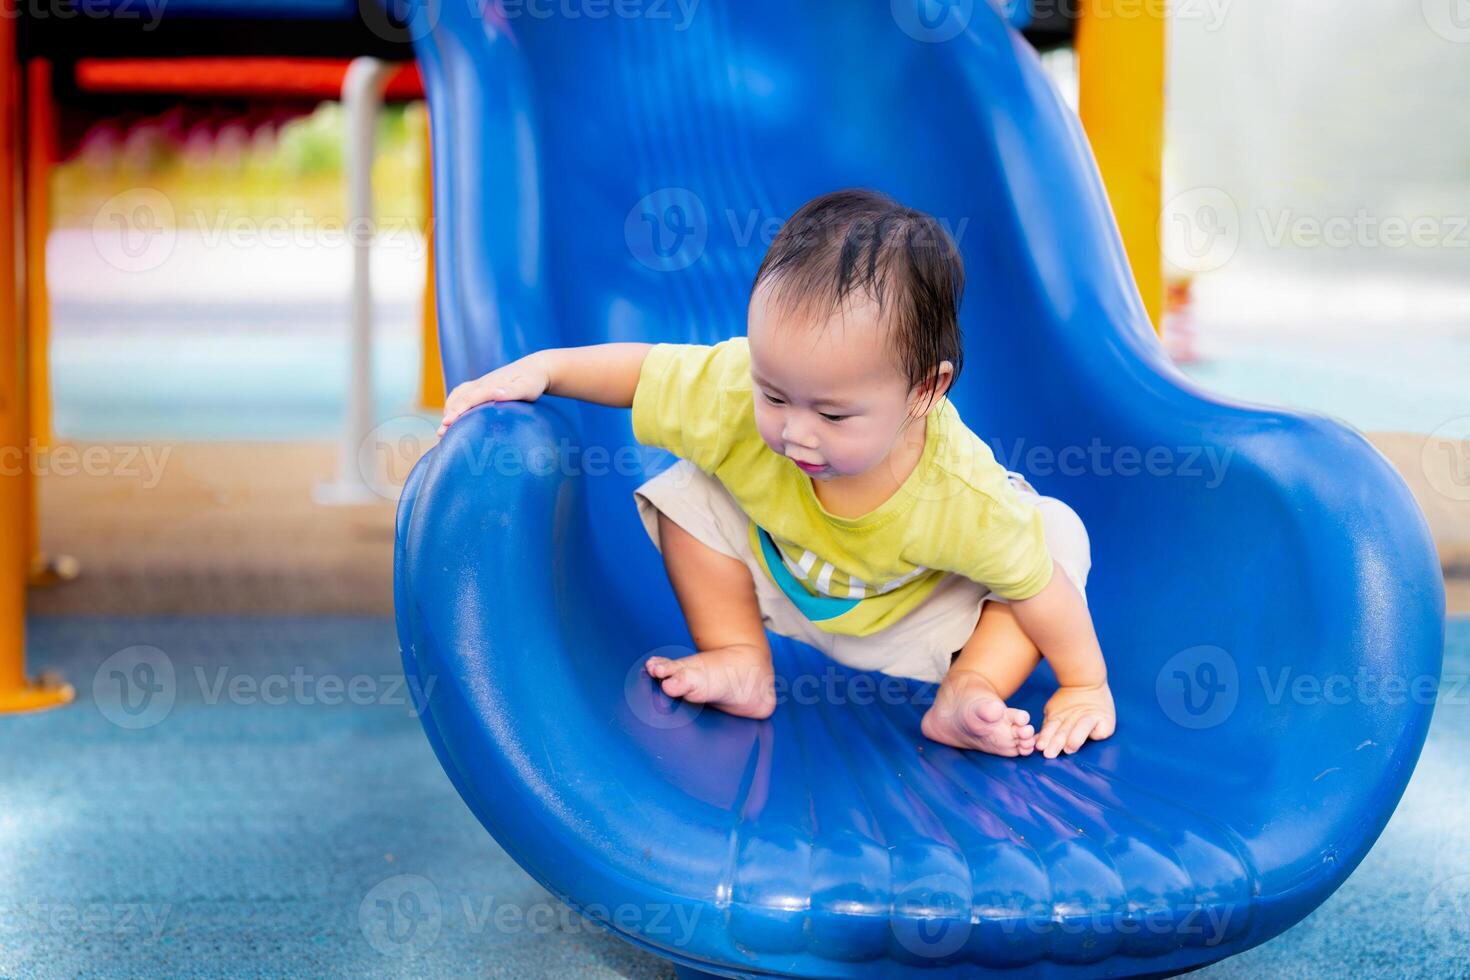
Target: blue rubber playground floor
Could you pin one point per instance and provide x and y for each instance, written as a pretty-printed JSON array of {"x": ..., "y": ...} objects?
[{"x": 254, "y": 796}]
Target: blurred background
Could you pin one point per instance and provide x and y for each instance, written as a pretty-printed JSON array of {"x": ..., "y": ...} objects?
[
  {"x": 185, "y": 343},
  {"x": 212, "y": 475},
  {"x": 1314, "y": 239}
]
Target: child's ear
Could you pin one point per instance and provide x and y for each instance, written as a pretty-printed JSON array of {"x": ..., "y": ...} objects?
[{"x": 930, "y": 391}]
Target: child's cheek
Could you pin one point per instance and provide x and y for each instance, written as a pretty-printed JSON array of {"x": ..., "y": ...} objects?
[
  {"x": 857, "y": 449},
  {"x": 769, "y": 428}
]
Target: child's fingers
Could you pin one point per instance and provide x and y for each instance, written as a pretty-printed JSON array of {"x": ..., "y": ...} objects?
[
  {"x": 1081, "y": 731},
  {"x": 1048, "y": 731},
  {"x": 1054, "y": 735},
  {"x": 467, "y": 396}
]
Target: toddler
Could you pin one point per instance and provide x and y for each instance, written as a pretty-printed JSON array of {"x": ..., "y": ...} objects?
[{"x": 828, "y": 490}]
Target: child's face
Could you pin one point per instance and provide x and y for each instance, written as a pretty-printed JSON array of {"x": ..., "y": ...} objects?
[{"x": 830, "y": 397}]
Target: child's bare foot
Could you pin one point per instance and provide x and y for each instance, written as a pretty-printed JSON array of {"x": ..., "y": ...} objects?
[
  {"x": 738, "y": 679},
  {"x": 968, "y": 713}
]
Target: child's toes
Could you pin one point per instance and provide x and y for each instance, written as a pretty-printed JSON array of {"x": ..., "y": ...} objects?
[
  {"x": 679, "y": 683},
  {"x": 1018, "y": 716},
  {"x": 658, "y": 666},
  {"x": 984, "y": 713},
  {"x": 995, "y": 731}
]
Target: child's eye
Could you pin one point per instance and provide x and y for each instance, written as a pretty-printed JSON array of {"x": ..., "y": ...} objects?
[{"x": 781, "y": 401}]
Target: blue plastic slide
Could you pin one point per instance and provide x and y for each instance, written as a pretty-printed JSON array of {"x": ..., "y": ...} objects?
[{"x": 1265, "y": 589}]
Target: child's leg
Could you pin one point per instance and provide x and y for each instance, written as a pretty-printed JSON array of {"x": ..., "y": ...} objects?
[
  {"x": 999, "y": 650},
  {"x": 969, "y": 710},
  {"x": 733, "y": 670}
]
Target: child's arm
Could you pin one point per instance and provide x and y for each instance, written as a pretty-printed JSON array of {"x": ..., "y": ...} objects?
[
  {"x": 1057, "y": 621},
  {"x": 603, "y": 373}
]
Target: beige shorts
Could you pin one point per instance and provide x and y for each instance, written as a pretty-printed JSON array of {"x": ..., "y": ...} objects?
[{"x": 921, "y": 644}]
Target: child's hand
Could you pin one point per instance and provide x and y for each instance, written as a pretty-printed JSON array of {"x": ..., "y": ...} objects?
[
  {"x": 1072, "y": 715},
  {"x": 524, "y": 380}
]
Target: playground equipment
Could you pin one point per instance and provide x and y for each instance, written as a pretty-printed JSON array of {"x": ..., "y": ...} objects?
[
  {"x": 28, "y": 121},
  {"x": 596, "y": 180},
  {"x": 18, "y": 692}
]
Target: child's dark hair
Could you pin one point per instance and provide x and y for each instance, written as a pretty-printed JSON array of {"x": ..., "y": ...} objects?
[{"x": 857, "y": 239}]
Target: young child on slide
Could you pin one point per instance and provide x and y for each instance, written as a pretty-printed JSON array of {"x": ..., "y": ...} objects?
[{"x": 828, "y": 490}]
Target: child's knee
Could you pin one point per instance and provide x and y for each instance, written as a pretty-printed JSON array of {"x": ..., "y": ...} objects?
[{"x": 695, "y": 505}]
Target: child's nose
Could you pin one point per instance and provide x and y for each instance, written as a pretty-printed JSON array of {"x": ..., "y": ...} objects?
[{"x": 797, "y": 434}]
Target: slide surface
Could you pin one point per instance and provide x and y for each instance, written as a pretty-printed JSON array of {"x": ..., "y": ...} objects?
[{"x": 1264, "y": 587}]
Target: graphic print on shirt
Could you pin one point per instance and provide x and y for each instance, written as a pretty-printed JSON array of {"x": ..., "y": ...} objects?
[{"x": 835, "y": 591}]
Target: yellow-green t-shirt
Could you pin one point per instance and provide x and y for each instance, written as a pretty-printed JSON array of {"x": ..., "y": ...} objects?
[{"x": 956, "y": 512}]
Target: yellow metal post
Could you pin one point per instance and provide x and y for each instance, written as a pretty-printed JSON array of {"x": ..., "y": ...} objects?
[
  {"x": 431, "y": 372},
  {"x": 40, "y": 154},
  {"x": 17, "y": 692},
  {"x": 1121, "y": 50}
]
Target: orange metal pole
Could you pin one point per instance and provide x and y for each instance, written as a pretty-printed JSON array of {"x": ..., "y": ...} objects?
[
  {"x": 17, "y": 693},
  {"x": 40, "y": 150},
  {"x": 431, "y": 371},
  {"x": 40, "y": 154}
]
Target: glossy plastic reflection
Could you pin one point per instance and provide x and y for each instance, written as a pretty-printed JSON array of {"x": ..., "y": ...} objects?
[{"x": 618, "y": 178}]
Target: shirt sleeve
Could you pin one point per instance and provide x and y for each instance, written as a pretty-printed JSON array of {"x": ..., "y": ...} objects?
[
  {"x": 1004, "y": 545},
  {"x": 682, "y": 399},
  {"x": 1019, "y": 565}
]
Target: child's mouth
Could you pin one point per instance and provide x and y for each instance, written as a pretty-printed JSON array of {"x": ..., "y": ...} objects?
[{"x": 809, "y": 467}]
